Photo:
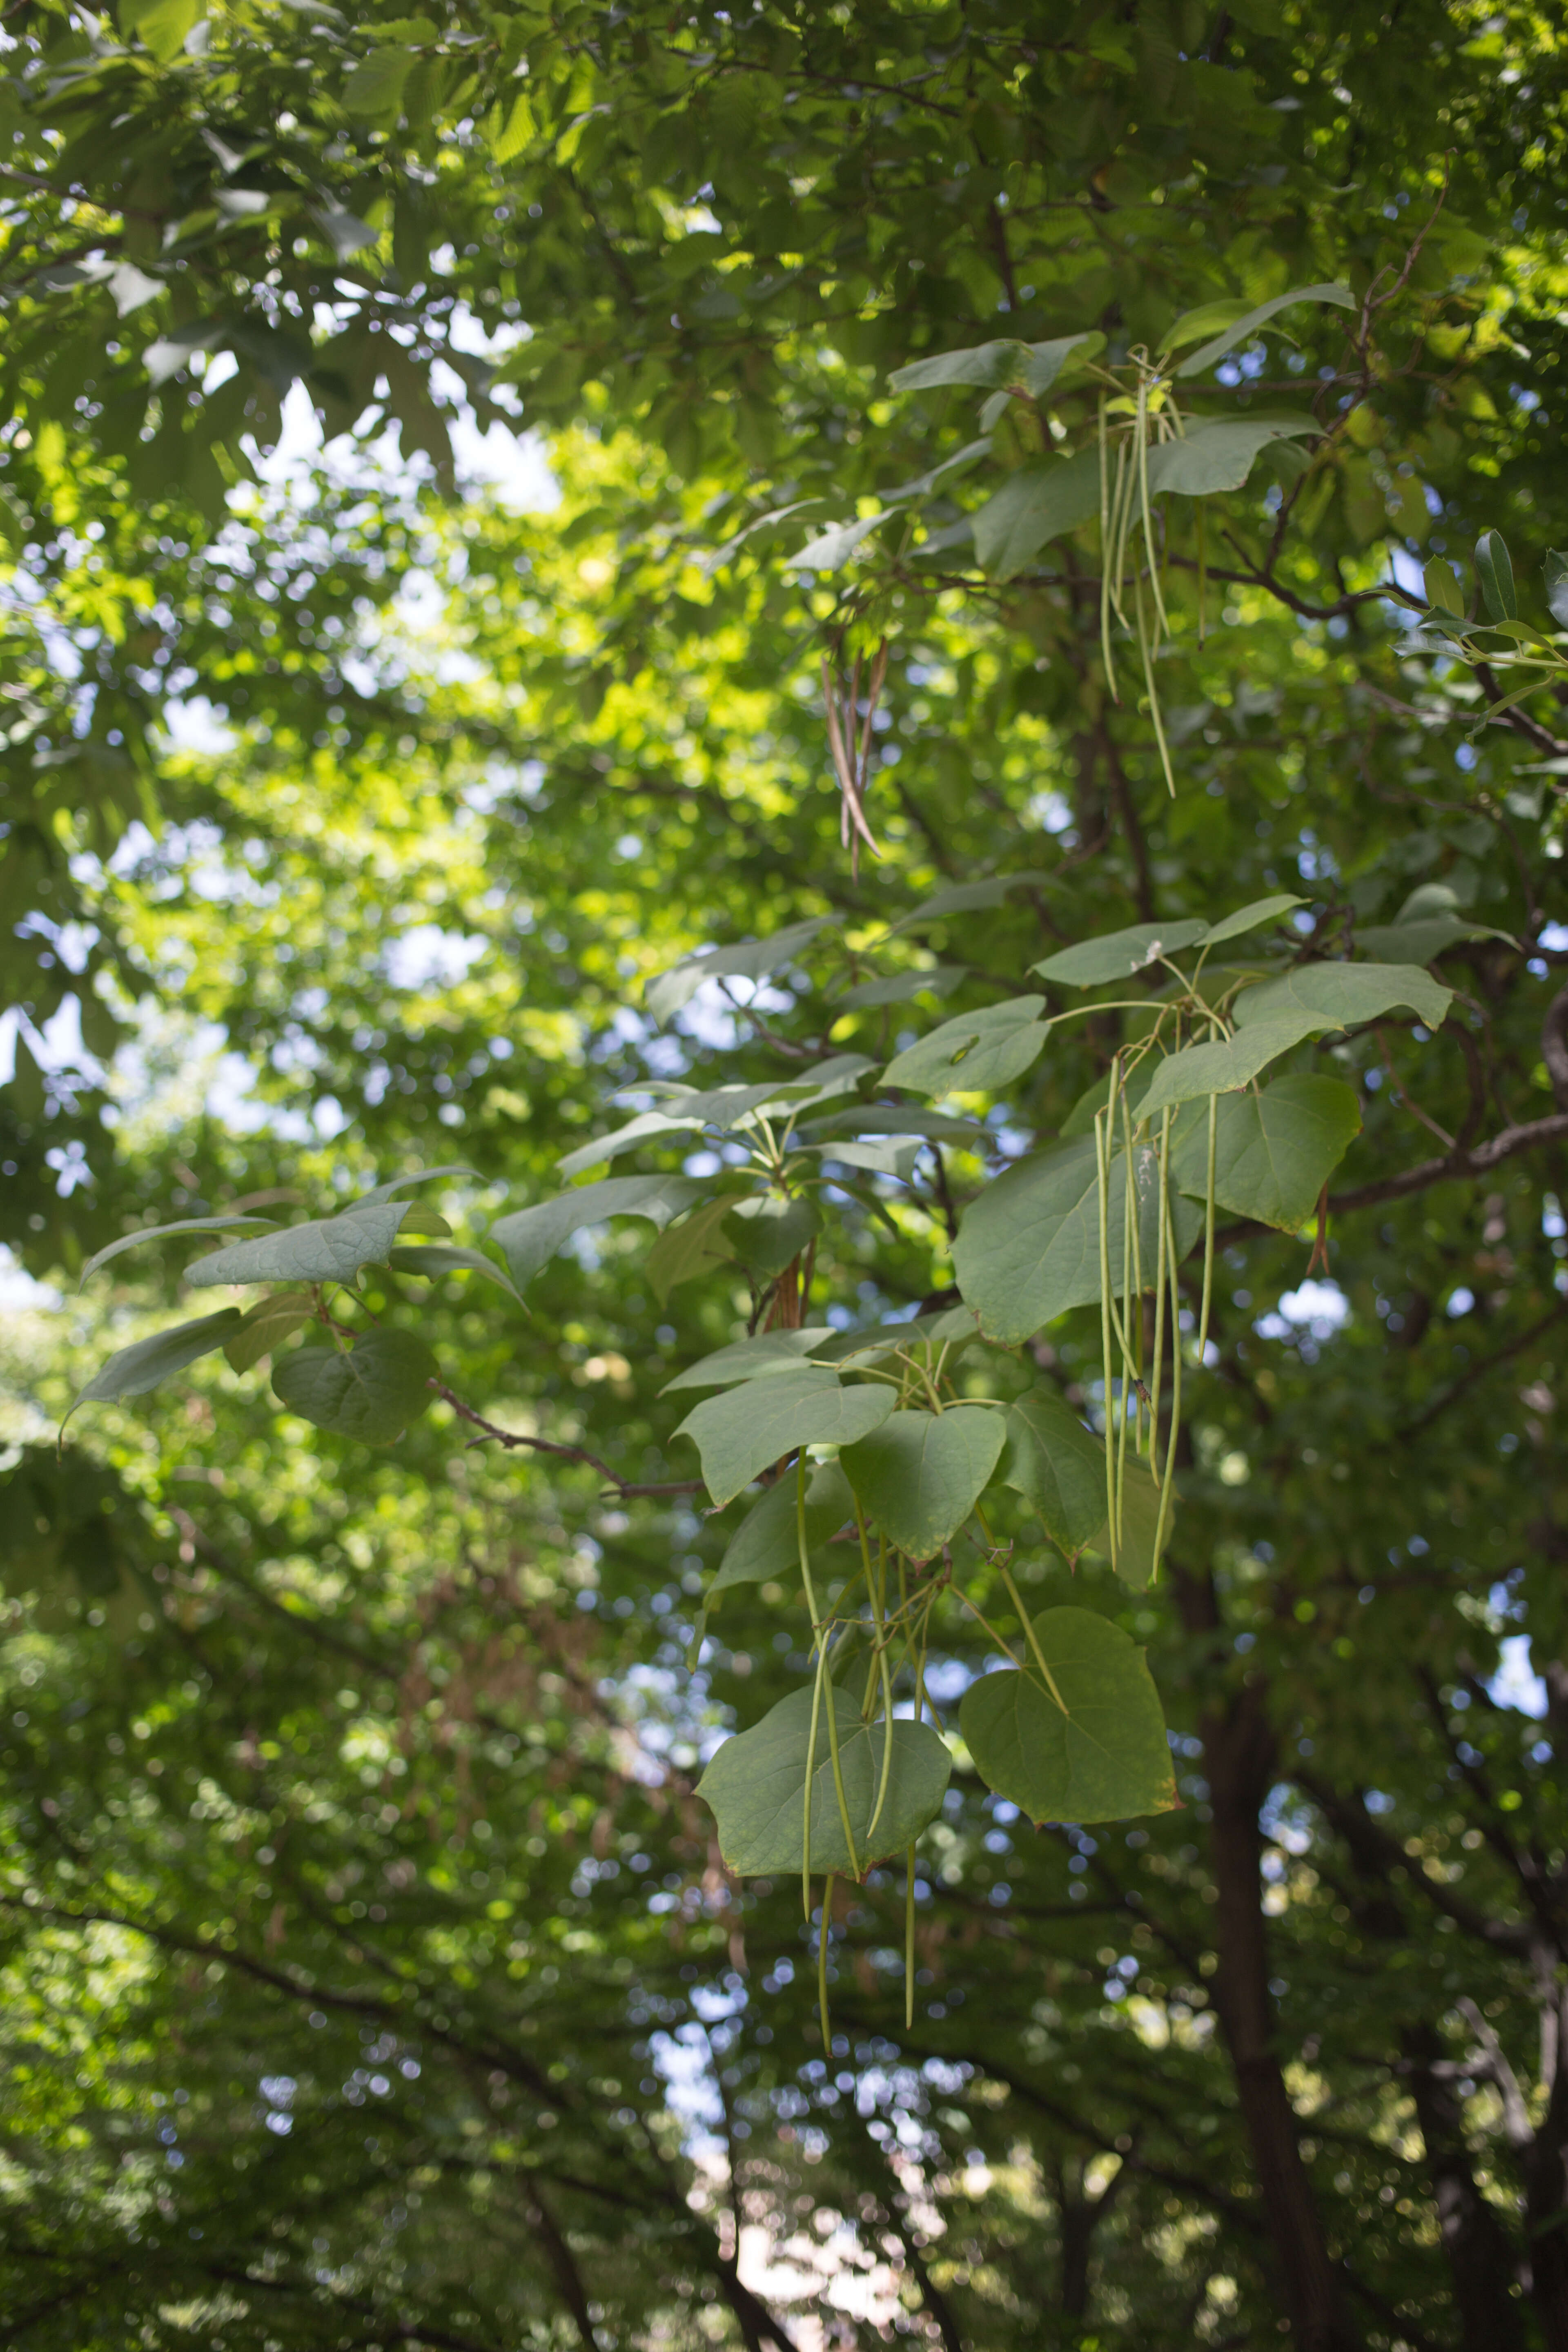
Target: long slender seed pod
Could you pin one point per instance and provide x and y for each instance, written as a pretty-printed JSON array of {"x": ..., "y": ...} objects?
[
  {"x": 1156, "y": 1369},
  {"x": 881, "y": 1656},
  {"x": 811, "y": 1775},
  {"x": 838, "y": 1788},
  {"x": 1134, "y": 1311},
  {"x": 1167, "y": 1490},
  {"x": 822, "y": 1966},
  {"x": 1015, "y": 1596},
  {"x": 817, "y": 1634},
  {"x": 1208, "y": 1227},
  {"x": 1102, "y": 1192},
  {"x": 1161, "y": 619},
  {"x": 1128, "y": 1371},
  {"x": 1109, "y": 594},
  {"x": 908, "y": 1940},
  {"x": 1153, "y": 689}
]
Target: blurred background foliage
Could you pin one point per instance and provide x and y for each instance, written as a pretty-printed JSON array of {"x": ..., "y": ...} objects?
[{"x": 370, "y": 1975}]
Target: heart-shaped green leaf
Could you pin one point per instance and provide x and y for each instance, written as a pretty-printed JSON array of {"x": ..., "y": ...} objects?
[
  {"x": 371, "y": 1392},
  {"x": 1275, "y": 1150},
  {"x": 921, "y": 1474},
  {"x": 1094, "y": 1749},
  {"x": 1058, "y": 1466},
  {"x": 766, "y": 1544},
  {"x": 739, "y": 1435},
  {"x": 755, "y": 1786}
]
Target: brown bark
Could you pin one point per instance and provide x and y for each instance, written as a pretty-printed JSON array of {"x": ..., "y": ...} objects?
[
  {"x": 1474, "y": 2240},
  {"x": 1546, "y": 2197},
  {"x": 1239, "y": 1764}
]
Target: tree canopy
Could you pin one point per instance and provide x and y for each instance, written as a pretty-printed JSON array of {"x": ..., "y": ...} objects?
[{"x": 1024, "y": 478}]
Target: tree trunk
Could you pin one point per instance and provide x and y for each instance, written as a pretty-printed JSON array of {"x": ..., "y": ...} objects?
[
  {"x": 1546, "y": 2197},
  {"x": 1477, "y": 2246},
  {"x": 1240, "y": 1753}
]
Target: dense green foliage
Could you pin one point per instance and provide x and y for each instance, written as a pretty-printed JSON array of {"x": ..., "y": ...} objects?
[{"x": 372, "y": 1972}]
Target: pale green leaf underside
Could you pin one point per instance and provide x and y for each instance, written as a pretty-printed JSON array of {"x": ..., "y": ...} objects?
[
  {"x": 755, "y": 1786},
  {"x": 1347, "y": 993},
  {"x": 531, "y": 1237},
  {"x": 1106, "y": 1758},
  {"x": 750, "y": 1360},
  {"x": 163, "y": 1233},
  {"x": 973, "y": 1052},
  {"x": 436, "y": 1259},
  {"x": 1219, "y": 457},
  {"x": 752, "y": 959},
  {"x": 739, "y": 1435},
  {"x": 132, "y": 1371},
  {"x": 328, "y": 1249}
]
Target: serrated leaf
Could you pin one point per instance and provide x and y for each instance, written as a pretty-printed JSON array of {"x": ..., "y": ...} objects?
[
  {"x": 766, "y": 1544},
  {"x": 434, "y": 1261},
  {"x": 1235, "y": 331},
  {"x": 163, "y": 1233},
  {"x": 1058, "y": 1466},
  {"x": 1274, "y": 1150},
  {"x": 1219, "y": 457},
  {"x": 266, "y": 1326},
  {"x": 327, "y": 1249},
  {"x": 1046, "y": 497},
  {"x": 692, "y": 1248},
  {"x": 1028, "y": 1246},
  {"x": 1494, "y": 572},
  {"x": 742, "y": 1433},
  {"x": 1346, "y": 992},
  {"x": 755, "y": 1788},
  {"x": 1120, "y": 954},
  {"x": 132, "y": 1371},
  {"x": 752, "y": 959},
  {"x": 531, "y": 1237},
  {"x": 1097, "y": 1752},
  {"x": 376, "y": 86},
  {"x": 974, "y": 1052},
  {"x": 750, "y": 1360},
  {"x": 370, "y": 1392},
  {"x": 920, "y": 1475}
]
